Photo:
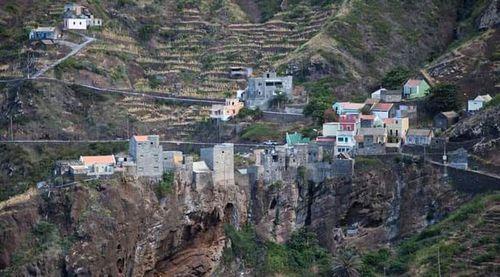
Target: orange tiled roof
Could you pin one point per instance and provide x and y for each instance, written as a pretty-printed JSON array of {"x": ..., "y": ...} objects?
[
  {"x": 88, "y": 160},
  {"x": 141, "y": 138}
]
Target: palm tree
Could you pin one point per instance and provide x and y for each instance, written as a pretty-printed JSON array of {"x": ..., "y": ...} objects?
[{"x": 346, "y": 264}]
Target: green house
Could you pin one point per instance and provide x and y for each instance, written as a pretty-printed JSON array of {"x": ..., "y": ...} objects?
[
  {"x": 415, "y": 89},
  {"x": 292, "y": 139}
]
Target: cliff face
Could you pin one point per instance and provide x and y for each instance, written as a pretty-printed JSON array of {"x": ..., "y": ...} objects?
[
  {"x": 386, "y": 201},
  {"x": 120, "y": 228}
]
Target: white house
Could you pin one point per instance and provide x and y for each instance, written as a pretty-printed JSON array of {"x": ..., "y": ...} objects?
[
  {"x": 342, "y": 108},
  {"x": 94, "y": 165},
  {"x": 478, "y": 102},
  {"x": 75, "y": 23},
  {"x": 383, "y": 110}
]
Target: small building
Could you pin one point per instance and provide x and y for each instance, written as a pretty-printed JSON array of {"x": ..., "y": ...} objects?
[
  {"x": 262, "y": 90},
  {"x": 419, "y": 136},
  {"x": 390, "y": 96},
  {"x": 459, "y": 158},
  {"x": 225, "y": 112},
  {"x": 94, "y": 166},
  {"x": 78, "y": 17},
  {"x": 295, "y": 138},
  {"x": 396, "y": 128},
  {"x": 346, "y": 108},
  {"x": 383, "y": 110},
  {"x": 147, "y": 153},
  {"x": 444, "y": 120},
  {"x": 44, "y": 33},
  {"x": 370, "y": 136},
  {"x": 415, "y": 88},
  {"x": 75, "y": 23},
  {"x": 240, "y": 72},
  {"x": 478, "y": 102}
]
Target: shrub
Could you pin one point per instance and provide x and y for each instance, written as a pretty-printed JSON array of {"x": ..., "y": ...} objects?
[
  {"x": 165, "y": 186},
  {"x": 443, "y": 97},
  {"x": 395, "y": 78}
]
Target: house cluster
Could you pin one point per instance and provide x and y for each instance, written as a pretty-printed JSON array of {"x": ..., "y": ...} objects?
[
  {"x": 299, "y": 158},
  {"x": 260, "y": 93},
  {"x": 381, "y": 123},
  {"x": 78, "y": 17},
  {"x": 146, "y": 158},
  {"x": 75, "y": 17}
]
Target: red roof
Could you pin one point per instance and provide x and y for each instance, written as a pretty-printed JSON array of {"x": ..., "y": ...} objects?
[
  {"x": 382, "y": 107},
  {"x": 413, "y": 83}
]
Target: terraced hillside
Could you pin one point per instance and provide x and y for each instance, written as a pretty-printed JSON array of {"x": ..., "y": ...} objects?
[{"x": 187, "y": 47}]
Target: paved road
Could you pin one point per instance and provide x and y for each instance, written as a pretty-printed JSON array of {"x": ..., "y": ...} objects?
[
  {"x": 178, "y": 142},
  {"x": 74, "y": 51}
]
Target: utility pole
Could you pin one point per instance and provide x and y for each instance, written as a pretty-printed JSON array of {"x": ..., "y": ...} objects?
[
  {"x": 11, "y": 130},
  {"x": 128, "y": 127},
  {"x": 439, "y": 263}
]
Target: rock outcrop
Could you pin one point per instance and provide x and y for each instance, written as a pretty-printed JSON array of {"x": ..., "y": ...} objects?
[
  {"x": 377, "y": 206},
  {"x": 120, "y": 228}
]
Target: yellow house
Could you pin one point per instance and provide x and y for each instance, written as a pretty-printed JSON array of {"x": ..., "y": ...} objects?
[{"x": 396, "y": 128}]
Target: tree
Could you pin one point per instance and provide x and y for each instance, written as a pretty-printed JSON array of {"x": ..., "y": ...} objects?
[
  {"x": 443, "y": 97},
  {"x": 346, "y": 263},
  {"x": 395, "y": 78},
  {"x": 330, "y": 116}
]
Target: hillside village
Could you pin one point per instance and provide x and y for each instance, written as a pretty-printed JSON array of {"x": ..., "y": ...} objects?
[{"x": 249, "y": 138}]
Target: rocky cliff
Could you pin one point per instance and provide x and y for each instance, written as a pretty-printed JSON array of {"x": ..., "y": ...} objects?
[
  {"x": 121, "y": 227},
  {"x": 118, "y": 228},
  {"x": 384, "y": 201}
]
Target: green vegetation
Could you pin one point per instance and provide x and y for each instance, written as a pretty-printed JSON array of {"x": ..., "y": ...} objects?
[
  {"x": 442, "y": 98},
  {"x": 451, "y": 238},
  {"x": 73, "y": 63},
  {"x": 494, "y": 102},
  {"x": 253, "y": 114},
  {"x": 395, "y": 78},
  {"x": 300, "y": 256},
  {"x": 321, "y": 98},
  {"x": 166, "y": 185},
  {"x": 260, "y": 132},
  {"x": 43, "y": 237}
]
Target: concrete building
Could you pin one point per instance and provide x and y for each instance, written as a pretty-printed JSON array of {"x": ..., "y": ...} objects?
[
  {"x": 390, "y": 96},
  {"x": 147, "y": 153},
  {"x": 415, "y": 89},
  {"x": 225, "y": 112},
  {"x": 220, "y": 160},
  {"x": 262, "y": 90},
  {"x": 172, "y": 160},
  {"x": 383, "y": 110},
  {"x": 44, "y": 33},
  {"x": 445, "y": 120},
  {"x": 397, "y": 128},
  {"x": 478, "y": 102},
  {"x": 419, "y": 136}
]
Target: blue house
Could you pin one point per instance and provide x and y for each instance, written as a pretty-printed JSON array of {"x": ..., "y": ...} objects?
[{"x": 44, "y": 33}]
